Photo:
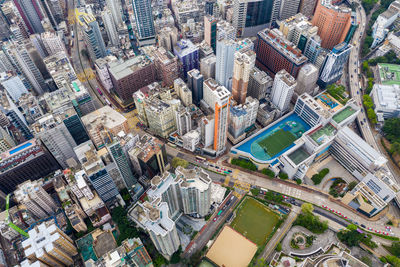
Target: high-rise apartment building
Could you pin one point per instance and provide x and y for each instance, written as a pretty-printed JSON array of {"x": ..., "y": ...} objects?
[
  {"x": 210, "y": 31},
  {"x": 122, "y": 162},
  {"x": 259, "y": 83},
  {"x": 243, "y": 64},
  {"x": 242, "y": 117},
  {"x": 313, "y": 48},
  {"x": 333, "y": 22},
  {"x": 31, "y": 14},
  {"x": 168, "y": 37},
  {"x": 102, "y": 65},
  {"x": 29, "y": 160},
  {"x": 53, "y": 43},
  {"x": 307, "y": 7},
  {"x": 144, "y": 21},
  {"x": 306, "y": 80},
  {"x": 188, "y": 54},
  {"x": 111, "y": 27},
  {"x": 13, "y": 85},
  {"x": 35, "y": 198},
  {"x": 166, "y": 66},
  {"x": 6, "y": 141},
  {"x": 131, "y": 75},
  {"x": 251, "y": 16},
  {"x": 219, "y": 99},
  {"x": 275, "y": 52},
  {"x": 282, "y": 90},
  {"x": 195, "y": 84},
  {"x": 60, "y": 69},
  {"x": 55, "y": 136},
  {"x": 92, "y": 36},
  {"x": 207, "y": 66},
  {"x": 332, "y": 69},
  {"x": 288, "y": 8},
  {"x": 115, "y": 7},
  {"x": 183, "y": 121},
  {"x": 49, "y": 245}
]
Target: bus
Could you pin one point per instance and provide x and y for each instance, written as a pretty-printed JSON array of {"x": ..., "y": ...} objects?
[
  {"x": 171, "y": 144},
  {"x": 219, "y": 213},
  {"x": 200, "y": 158},
  {"x": 226, "y": 172},
  {"x": 99, "y": 91}
]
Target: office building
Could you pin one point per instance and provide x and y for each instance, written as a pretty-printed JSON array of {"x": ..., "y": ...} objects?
[
  {"x": 13, "y": 85},
  {"x": 122, "y": 162},
  {"x": 144, "y": 21},
  {"x": 243, "y": 63},
  {"x": 102, "y": 65},
  {"x": 207, "y": 66},
  {"x": 207, "y": 131},
  {"x": 210, "y": 31},
  {"x": 110, "y": 26},
  {"x": 6, "y": 141},
  {"x": 188, "y": 54},
  {"x": 55, "y": 136},
  {"x": 131, "y": 75},
  {"x": 241, "y": 118},
  {"x": 289, "y": 8},
  {"x": 29, "y": 160},
  {"x": 104, "y": 123},
  {"x": 313, "y": 48},
  {"x": 35, "y": 198},
  {"x": 307, "y": 7},
  {"x": 282, "y": 90},
  {"x": 183, "y": 92},
  {"x": 154, "y": 217},
  {"x": 250, "y": 17},
  {"x": 386, "y": 101},
  {"x": 148, "y": 156},
  {"x": 225, "y": 30},
  {"x": 50, "y": 245},
  {"x": 53, "y": 43},
  {"x": 30, "y": 12},
  {"x": 183, "y": 121},
  {"x": 332, "y": 69},
  {"x": 92, "y": 36},
  {"x": 218, "y": 98},
  {"x": 383, "y": 22},
  {"x": 115, "y": 7},
  {"x": 191, "y": 140},
  {"x": 60, "y": 69},
  {"x": 306, "y": 80},
  {"x": 83, "y": 102},
  {"x": 259, "y": 84},
  {"x": 275, "y": 52},
  {"x": 333, "y": 22},
  {"x": 168, "y": 37},
  {"x": 195, "y": 84}
]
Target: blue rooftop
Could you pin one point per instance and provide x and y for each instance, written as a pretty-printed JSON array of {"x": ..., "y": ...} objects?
[{"x": 21, "y": 147}]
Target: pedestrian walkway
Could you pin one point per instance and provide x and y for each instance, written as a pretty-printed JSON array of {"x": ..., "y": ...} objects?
[{"x": 227, "y": 179}]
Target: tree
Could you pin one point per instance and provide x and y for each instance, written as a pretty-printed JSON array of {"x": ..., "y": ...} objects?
[
  {"x": 352, "y": 227},
  {"x": 255, "y": 191},
  {"x": 395, "y": 261},
  {"x": 246, "y": 164},
  {"x": 283, "y": 175},
  {"x": 85, "y": 53},
  {"x": 349, "y": 237},
  {"x": 395, "y": 148},
  {"x": 298, "y": 181},
  {"x": 176, "y": 258},
  {"x": 279, "y": 247},
  {"x": 371, "y": 115},
  {"x": 179, "y": 162},
  {"x": 307, "y": 207},
  {"x": 311, "y": 222},
  {"x": 391, "y": 128},
  {"x": 352, "y": 185},
  {"x": 268, "y": 172},
  {"x": 395, "y": 249},
  {"x": 260, "y": 263}
]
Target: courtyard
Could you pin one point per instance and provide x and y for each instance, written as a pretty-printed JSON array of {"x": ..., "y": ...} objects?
[{"x": 254, "y": 220}]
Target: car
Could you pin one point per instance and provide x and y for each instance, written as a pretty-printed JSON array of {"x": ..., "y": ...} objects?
[
  {"x": 363, "y": 226},
  {"x": 229, "y": 170},
  {"x": 215, "y": 219},
  {"x": 365, "y": 120},
  {"x": 356, "y": 223}
]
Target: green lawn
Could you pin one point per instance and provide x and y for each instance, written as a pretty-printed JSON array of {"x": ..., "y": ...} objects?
[
  {"x": 277, "y": 141},
  {"x": 254, "y": 220}
]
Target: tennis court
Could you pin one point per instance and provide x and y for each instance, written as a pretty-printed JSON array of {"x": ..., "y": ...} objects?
[
  {"x": 277, "y": 141},
  {"x": 254, "y": 220}
]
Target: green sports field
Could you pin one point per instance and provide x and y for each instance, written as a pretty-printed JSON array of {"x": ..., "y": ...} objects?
[
  {"x": 254, "y": 220},
  {"x": 277, "y": 141}
]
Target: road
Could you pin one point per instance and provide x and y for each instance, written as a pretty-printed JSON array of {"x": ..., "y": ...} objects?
[
  {"x": 211, "y": 227},
  {"x": 81, "y": 64}
]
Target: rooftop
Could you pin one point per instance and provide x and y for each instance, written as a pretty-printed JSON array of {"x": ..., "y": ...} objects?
[
  {"x": 389, "y": 74},
  {"x": 321, "y": 134},
  {"x": 299, "y": 155},
  {"x": 105, "y": 116},
  {"x": 121, "y": 70},
  {"x": 343, "y": 114}
]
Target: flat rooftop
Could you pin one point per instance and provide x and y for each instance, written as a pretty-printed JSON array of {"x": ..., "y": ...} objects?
[
  {"x": 389, "y": 74},
  {"x": 299, "y": 155},
  {"x": 320, "y": 135},
  {"x": 329, "y": 103},
  {"x": 343, "y": 114}
]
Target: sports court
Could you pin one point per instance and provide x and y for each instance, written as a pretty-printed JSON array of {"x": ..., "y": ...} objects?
[
  {"x": 254, "y": 220},
  {"x": 277, "y": 141},
  {"x": 231, "y": 249}
]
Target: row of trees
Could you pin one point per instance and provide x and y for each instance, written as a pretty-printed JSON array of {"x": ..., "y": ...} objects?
[
  {"x": 391, "y": 129},
  {"x": 367, "y": 101},
  {"x": 309, "y": 221},
  {"x": 246, "y": 164}
]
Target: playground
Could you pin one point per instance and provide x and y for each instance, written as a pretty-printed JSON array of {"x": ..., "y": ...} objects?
[
  {"x": 277, "y": 141},
  {"x": 254, "y": 220}
]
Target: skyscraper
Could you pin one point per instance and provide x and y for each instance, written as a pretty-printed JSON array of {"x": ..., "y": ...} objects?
[
  {"x": 332, "y": 69},
  {"x": 35, "y": 198},
  {"x": 111, "y": 27},
  {"x": 210, "y": 31},
  {"x": 306, "y": 80},
  {"x": 275, "y": 52},
  {"x": 31, "y": 14},
  {"x": 288, "y": 8},
  {"x": 333, "y": 22},
  {"x": 282, "y": 90},
  {"x": 120, "y": 158},
  {"x": 225, "y": 56},
  {"x": 243, "y": 63},
  {"x": 313, "y": 48},
  {"x": 307, "y": 7},
  {"x": 144, "y": 21},
  {"x": 92, "y": 36},
  {"x": 259, "y": 83},
  {"x": 195, "y": 84},
  {"x": 218, "y": 98},
  {"x": 188, "y": 54},
  {"x": 183, "y": 121},
  {"x": 116, "y": 10}
]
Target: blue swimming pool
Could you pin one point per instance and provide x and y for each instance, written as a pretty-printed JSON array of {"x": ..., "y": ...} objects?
[
  {"x": 251, "y": 147},
  {"x": 17, "y": 149}
]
